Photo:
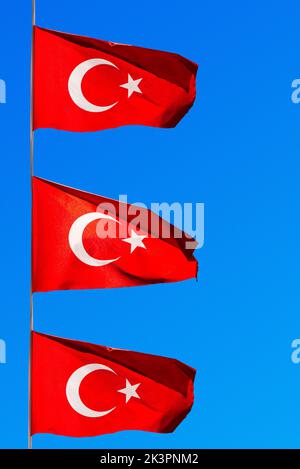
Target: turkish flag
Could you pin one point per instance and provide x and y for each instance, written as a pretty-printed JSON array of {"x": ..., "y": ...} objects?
[
  {"x": 81, "y": 240},
  {"x": 83, "y": 84},
  {"x": 81, "y": 389}
]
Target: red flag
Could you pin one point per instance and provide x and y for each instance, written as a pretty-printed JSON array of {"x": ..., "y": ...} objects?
[
  {"x": 85, "y": 84},
  {"x": 81, "y": 240},
  {"x": 81, "y": 389}
]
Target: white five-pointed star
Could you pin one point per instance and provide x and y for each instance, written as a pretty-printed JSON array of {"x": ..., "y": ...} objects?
[
  {"x": 135, "y": 240},
  {"x": 132, "y": 85},
  {"x": 130, "y": 391}
]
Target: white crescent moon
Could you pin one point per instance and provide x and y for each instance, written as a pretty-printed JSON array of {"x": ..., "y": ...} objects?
[
  {"x": 74, "y": 85},
  {"x": 75, "y": 239},
  {"x": 72, "y": 390}
]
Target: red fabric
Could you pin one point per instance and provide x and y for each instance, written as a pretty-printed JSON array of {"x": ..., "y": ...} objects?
[
  {"x": 167, "y": 85},
  {"x": 57, "y": 267},
  {"x": 165, "y": 391}
]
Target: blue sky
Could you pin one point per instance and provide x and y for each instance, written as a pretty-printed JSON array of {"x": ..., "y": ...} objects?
[{"x": 237, "y": 151}]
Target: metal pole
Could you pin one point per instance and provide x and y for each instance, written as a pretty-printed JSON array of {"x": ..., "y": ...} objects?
[{"x": 31, "y": 175}]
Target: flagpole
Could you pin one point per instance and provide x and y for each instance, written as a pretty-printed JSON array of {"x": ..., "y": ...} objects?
[{"x": 31, "y": 175}]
